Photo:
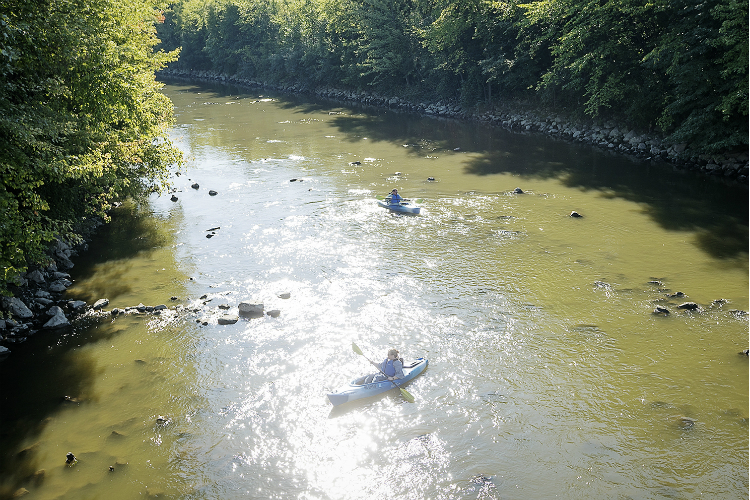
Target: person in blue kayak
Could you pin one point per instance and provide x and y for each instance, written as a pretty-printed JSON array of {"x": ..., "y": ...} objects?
[
  {"x": 394, "y": 198},
  {"x": 392, "y": 368}
]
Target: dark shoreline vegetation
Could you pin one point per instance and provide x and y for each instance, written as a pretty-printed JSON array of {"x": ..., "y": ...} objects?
[{"x": 84, "y": 126}]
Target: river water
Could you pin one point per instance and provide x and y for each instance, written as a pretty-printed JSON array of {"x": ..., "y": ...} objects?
[{"x": 549, "y": 376}]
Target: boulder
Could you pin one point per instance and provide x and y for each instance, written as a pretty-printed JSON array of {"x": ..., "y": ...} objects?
[
  {"x": 100, "y": 304},
  {"x": 76, "y": 305},
  {"x": 17, "y": 308},
  {"x": 274, "y": 313},
  {"x": 58, "y": 287},
  {"x": 58, "y": 319},
  {"x": 661, "y": 310},
  {"x": 228, "y": 319},
  {"x": 36, "y": 276},
  {"x": 690, "y": 306},
  {"x": 251, "y": 310},
  {"x": 4, "y": 351},
  {"x": 64, "y": 262}
]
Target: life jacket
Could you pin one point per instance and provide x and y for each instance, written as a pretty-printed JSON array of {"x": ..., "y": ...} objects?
[{"x": 388, "y": 368}]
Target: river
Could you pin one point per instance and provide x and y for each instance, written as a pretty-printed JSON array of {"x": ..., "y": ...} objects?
[{"x": 549, "y": 375}]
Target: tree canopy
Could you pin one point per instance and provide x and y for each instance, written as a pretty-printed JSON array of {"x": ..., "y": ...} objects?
[
  {"x": 83, "y": 121},
  {"x": 675, "y": 66}
]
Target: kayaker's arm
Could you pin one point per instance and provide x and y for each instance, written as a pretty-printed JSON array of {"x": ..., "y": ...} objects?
[{"x": 399, "y": 370}]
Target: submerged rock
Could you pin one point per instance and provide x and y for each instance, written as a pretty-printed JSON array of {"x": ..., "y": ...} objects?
[
  {"x": 661, "y": 310},
  {"x": 690, "y": 306}
]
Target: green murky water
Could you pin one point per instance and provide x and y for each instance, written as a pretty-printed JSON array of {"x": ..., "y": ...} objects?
[{"x": 549, "y": 375}]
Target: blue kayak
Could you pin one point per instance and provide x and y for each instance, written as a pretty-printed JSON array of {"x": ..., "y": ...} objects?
[
  {"x": 405, "y": 207},
  {"x": 357, "y": 390}
]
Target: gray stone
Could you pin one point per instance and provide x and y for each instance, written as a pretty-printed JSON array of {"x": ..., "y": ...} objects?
[
  {"x": 251, "y": 310},
  {"x": 64, "y": 262},
  {"x": 285, "y": 295},
  {"x": 228, "y": 319},
  {"x": 58, "y": 319},
  {"x": 57, "y": 287},
  {"x": 77, "y": 305},
  {"x": 661, "y": 310},
  {"x": 101, "y": 303},
  {"x": 36, "y": 276},
  {"x": 17, "y": 308},
  {"x": 43, "y": 294},
  {"x": 4, "y": 350},
  {"x": 274, "y": 313},
  {"x": 691, "y": 306}
]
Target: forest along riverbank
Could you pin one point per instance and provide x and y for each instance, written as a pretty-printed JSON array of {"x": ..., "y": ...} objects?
[{"x": 606, "y": 135}]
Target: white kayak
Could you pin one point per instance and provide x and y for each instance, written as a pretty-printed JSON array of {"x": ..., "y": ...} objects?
[
  {"x": 406, "y": 207},
  {"x": 358, "y": 390}
]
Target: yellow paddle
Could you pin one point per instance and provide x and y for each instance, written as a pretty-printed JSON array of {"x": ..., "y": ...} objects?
[{"x": 404, "y": 392}]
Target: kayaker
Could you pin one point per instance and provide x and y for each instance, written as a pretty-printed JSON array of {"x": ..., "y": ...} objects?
[
  {"x": 392, "y": 368},
  {"x": 394, "y": 198}
]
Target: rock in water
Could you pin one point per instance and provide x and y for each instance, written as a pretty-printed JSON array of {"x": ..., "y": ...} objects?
[{"x": 251, "y": 310}]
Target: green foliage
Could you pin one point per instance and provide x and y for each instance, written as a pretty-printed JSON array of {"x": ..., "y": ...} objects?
[
  {"x": 703, "y": 51},
  {"x": 83, "y": 122},
  {"x": 679, "y": 66}
]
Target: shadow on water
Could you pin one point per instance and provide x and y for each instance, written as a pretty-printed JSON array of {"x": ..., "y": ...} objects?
[
  {"x": 49, "y": 372},
  {"x": 41, "y": 378},
  {"x": 132, "y": 230},
  {"x": 677, "y": 200}
]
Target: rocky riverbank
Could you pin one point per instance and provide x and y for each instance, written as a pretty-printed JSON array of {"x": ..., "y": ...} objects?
[
  {"x": 606, "y": 135},
  {"x": 38, "y": 301}
]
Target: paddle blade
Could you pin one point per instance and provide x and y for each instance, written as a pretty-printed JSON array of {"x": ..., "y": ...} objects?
[
  {"x": 406, "y": 395},
  {"x": 357, "y": 349}
]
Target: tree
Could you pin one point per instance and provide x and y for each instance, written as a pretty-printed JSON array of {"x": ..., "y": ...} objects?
[{"x": 84, "y": 123}]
